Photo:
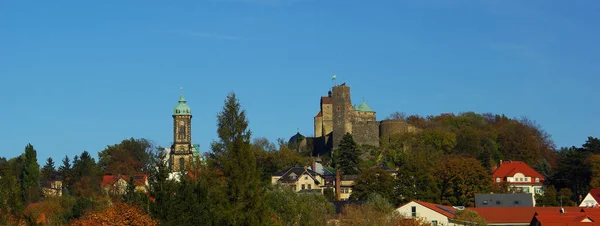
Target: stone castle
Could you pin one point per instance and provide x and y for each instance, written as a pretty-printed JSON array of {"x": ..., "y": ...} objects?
[{"x": 337, "y": 116}]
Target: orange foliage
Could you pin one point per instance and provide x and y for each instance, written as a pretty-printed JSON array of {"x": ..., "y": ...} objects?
[{"x": 117, "y": 214}]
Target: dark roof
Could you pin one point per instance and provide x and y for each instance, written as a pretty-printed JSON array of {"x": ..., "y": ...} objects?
[
  {"x": 503, "y": 200},
  {"x": 292, "y": 174}
]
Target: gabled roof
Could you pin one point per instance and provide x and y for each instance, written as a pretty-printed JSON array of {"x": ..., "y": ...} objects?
[
  {"x": 447, "y": 211},
  {"x": 567, "y": 218},
  {"x": 363, "y": 107},
  {"x": 505, "y": 215},
  {"x": 112, "y": 179},
  {"x": 510, "y": 168},
  {"x": 294, "y": 173},
  {"x": 320, "y": 114},
  {"x": 595, "y": 193}
]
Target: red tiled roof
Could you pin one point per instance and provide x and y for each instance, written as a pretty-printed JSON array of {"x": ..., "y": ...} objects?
[
  {"x": 436, "y": 208},
  {"x": 112, "y": 179},
  {"x": 326, "y": 100},
  {"x": 320, "y": 114},
  {"x": 567, "y": 218},
  {"x": 595, "y": 193},
  {"x": 510, "y": 168},
  {"x": 516, "y": 214}
]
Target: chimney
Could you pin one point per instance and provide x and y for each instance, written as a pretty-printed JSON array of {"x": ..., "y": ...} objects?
[
  {"x": 338, "y": 182},
  {"x": 314, "y": 165},
  {"x": 562, "y": 210},
  {"x": 500, "y": 161}
]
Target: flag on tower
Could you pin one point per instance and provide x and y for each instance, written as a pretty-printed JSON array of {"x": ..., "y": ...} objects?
[{"x": 333, "y": 77}]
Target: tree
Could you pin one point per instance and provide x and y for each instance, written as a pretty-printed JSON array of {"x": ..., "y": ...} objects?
[
  {"x": 417, "y": 176},
  {"x": 460, "y": 179},
  {"x": 48, "y": 170},
  {"x": 232, "y": 154},
  {"x": 469, "y": 217},
  {"x": 347, "y": 156},
  {"x": 130, "y": 157},
  {"x": 373, "y": 181},
  {"x": 86, "y": 176},
  {"x": 30, "y": 178},
  {"x": 118, "y": 214},
  {"x": 548, "y": 198},
  {"x": 397, "y": 116},
  {"x": 287, "y": 207},
  {"x": 65, "y": 171}
]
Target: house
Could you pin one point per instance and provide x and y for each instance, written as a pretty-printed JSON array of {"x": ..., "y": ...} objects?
[
  {"x": 591, "y": 199},
  {"x": 429, "y": 212},
  {"x": 53, "y": 186},
  {"x": 302, "y": 178},
  {"x": 505, "y": 216},
  {"x": 503, "y": 200},
  {"x": 520, "y": 177},
  {"x": 582, "y": 217},
  {"x": 117, "y": 185}
]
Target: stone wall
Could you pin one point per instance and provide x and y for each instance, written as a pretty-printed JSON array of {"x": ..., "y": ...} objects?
[
  {"x": 342, "y": 113},
  {"x": 395, "y": 127},
  {"x": 366, "y": 132}
]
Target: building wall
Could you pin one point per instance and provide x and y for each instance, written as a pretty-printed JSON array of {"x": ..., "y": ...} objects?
[
  {"x": 423, "y": 213},
  {"x": 342, "y": 113},
  {"x": 395, "y": 127},
  {"x": 318, "y": 126},
  {"x": 588, "y": 201},
  {"x": 327, "y": 110},
  {"x": 366, "y": 132}
]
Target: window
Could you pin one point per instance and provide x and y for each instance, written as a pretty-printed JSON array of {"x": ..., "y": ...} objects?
[
  {"x": 303, "y": 187},
  {"x": 516, "y": 202},
  {"x": 181, "y": 163},
  {"x": 434, "y": 223},
  {"x": 309, "y": 187},
  {"x": 413, "y": 210},
  {"x": 527, "y": 179},
  {"x": 498, "y": 202},
  {"x": 484, "y": 202},
  {"x": 305, "y": 177},
  {"x": 498, "y": 180},
  {"x": 537, "y": 180}
]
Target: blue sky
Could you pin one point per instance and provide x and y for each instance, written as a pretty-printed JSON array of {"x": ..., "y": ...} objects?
[{"x": 80, "y": 75}]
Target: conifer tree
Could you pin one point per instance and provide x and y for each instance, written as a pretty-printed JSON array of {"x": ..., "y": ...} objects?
[
  {"x": 48, "y": 169},
  {"x": 65, "y": 171},
  {"x": 232, "y": 154},
  {"x": 30, "y": 177},
  {"x": 347, "y": 156}
]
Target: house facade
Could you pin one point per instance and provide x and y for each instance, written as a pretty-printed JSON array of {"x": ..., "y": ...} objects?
[
  {"x": 117, "y": 184},
  {"x": 434, "y": 213},
  {"x": 591, "y": 199},
  {"x": 300, "y": 178},
  {"x": 520, "y": 177}
]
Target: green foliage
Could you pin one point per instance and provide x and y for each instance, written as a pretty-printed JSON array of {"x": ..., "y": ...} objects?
[
  {"x": 417, "y": 177},
  {"x": 347, "y": 156},
  {"x": 66, "y": 171},
  {"x": 549, "y": 198},
  {"x": 290, "y": 208},
  {"x": 373, "y": 181},
  {"x": 468, "y": 217},
  {"x": 329, "y": 194},
  {"x": 86, "y": 176},
  {"x": 30, "y": 177},
  {"x": 460, "y": 179},
  {"x": 232, "y": 154},
  {"x": 48, "y": 169},
  {"x": 10, "y": 190}
]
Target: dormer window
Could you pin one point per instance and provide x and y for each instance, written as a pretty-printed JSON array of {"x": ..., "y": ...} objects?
[
  {"x": 537, "y": 180},
  {"x": 498, "y": 180}
]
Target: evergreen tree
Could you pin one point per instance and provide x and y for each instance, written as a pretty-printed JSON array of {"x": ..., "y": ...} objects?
[
  {"x": 48, "y": 169},
  {"x": 233, "y": 155},
  {"x": 65, "y": 171},
  {"x": 347, "y": 156},
  {"x": 30, "y": 177}
]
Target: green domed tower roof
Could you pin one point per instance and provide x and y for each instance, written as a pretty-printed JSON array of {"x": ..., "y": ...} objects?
[
  {"x": 182, "y": 108},
  {"x": 364, "y": 107}
]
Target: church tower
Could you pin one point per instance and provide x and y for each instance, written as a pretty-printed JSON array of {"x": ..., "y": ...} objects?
[{"x": 182, "y": 151}]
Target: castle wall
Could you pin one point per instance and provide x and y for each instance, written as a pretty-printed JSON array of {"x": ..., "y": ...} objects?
[
  {"x": 395, "y": 127},
  {"x": 318, "y": 126},
  {"x": 366, "y": 132},
  {"x": 342, "y": 113},
  {"x": 327, "y": 110}
]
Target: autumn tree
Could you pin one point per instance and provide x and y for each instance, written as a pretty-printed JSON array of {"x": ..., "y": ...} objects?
[
  {"x": 287, "y": 207},
  {"x": 130, "y": 157},
  {"x": 118, "y": 214},
  {"x": 460, "y": 179},
  {"x": 469, "y": 217},
  {"x": 11, "y": 203},
  {"x": 347, "y": 156},
  {"x": 86, "y": 176},
  {"x": 65, "y": 171},
  {"x": 232, "y": 154},
  {"x": 417, "y": 176}
]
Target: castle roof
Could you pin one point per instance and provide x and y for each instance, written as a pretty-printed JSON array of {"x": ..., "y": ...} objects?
[
  {"x": 326, "y": 100},
  {"x": 320, "y": 114},
  {"x": 363, "y": 107}
]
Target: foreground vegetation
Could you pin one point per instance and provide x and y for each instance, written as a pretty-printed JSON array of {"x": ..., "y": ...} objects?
[{"x": 448, "y": 161}]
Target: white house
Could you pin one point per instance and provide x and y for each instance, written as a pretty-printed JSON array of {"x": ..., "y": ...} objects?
[
  {"x": 591, "y": 199},
  {"x": 429, "y": 212}
]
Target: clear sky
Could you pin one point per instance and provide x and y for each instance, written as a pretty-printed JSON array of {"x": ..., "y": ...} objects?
[{"x": 80, "y": 75}]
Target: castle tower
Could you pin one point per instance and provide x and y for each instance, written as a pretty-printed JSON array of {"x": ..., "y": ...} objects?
[
  {"x": 182, "y": 151},
  {"x": 342, "y": 113}
]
